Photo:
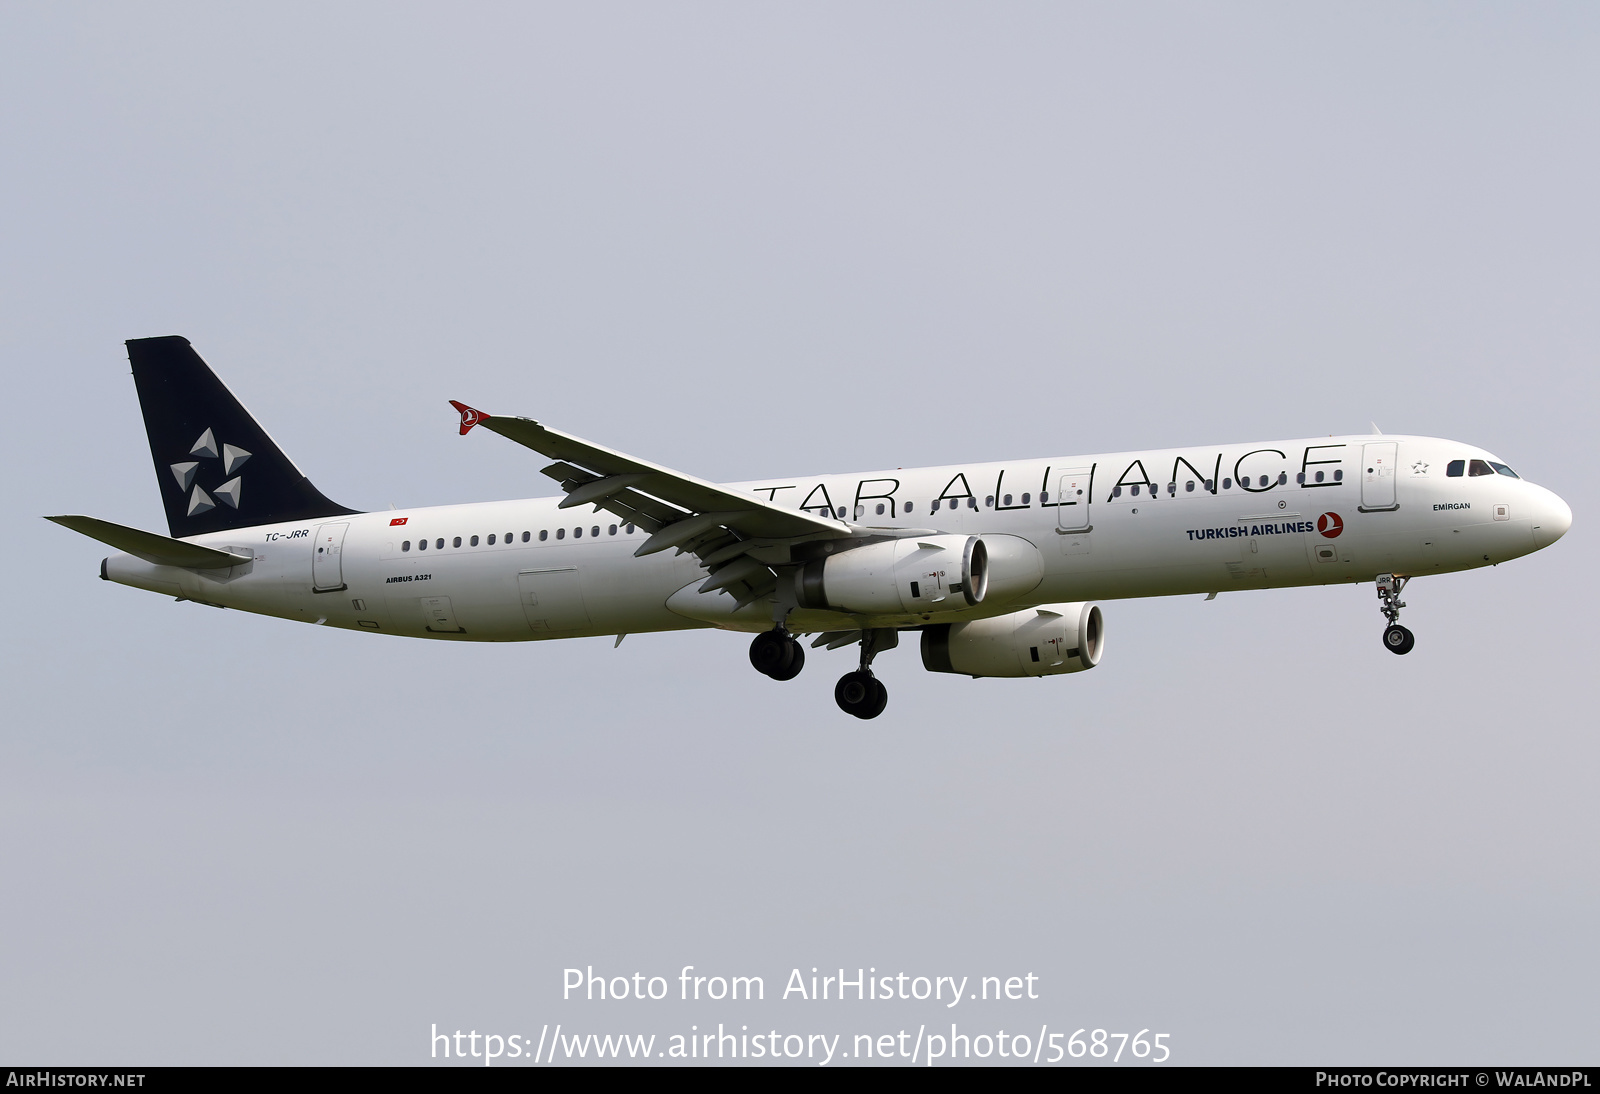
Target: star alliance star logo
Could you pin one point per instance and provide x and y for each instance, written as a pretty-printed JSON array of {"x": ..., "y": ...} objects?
[
  {"x": 232, "y": 459},
  {"x": 1419, "y": 468}
]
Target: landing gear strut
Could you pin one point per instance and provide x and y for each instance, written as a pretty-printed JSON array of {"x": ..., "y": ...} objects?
[
  {"x": 860, "y": 693},
  {"x": 1396, "y": 639},
  {"x": 776, "y": 654}
]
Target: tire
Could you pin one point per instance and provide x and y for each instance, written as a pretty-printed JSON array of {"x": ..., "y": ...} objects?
[
  {"x": 1398, "y": 639},
  {"x": 857, "y": 693},
  {"x": 771, "y": 652},
  {"x": 880, "y": 699},
  {"x": 797, "y": 661}
]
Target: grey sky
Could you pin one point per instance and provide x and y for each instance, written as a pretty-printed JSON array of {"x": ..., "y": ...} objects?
[{"x": 761, "y": 240}]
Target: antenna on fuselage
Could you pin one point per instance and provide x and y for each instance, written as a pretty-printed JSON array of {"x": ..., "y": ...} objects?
[{"x": 1375, "y": 428}]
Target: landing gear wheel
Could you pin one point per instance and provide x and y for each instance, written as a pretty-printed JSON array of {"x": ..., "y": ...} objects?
[
  {"x": 860, "y": 693},
  {"x": 776, "y": 654},
  {"x": 797, "y": 661},
  {"x": 1398, "y": 639},
  {"x": 880, "y": 699}
]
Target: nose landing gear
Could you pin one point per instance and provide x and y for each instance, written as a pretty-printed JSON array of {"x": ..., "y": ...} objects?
[
  {"x": 775, "y": 653},
  {"x": 1396, "y": 639}
]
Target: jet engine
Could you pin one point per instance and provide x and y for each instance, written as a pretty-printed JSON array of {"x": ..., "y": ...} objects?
[
  {"x": 918, "y": 574},
  {"x": 1043, "y": 641}
]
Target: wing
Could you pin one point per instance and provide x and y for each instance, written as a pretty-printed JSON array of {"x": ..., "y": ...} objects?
[{"x": 719, "y": 526}]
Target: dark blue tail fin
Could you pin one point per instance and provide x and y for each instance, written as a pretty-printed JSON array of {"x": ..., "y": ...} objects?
[{"x": 217, "y": 468}]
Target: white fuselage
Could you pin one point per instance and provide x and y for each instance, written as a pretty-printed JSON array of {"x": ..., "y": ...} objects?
[{"x": 522, "y": 570}]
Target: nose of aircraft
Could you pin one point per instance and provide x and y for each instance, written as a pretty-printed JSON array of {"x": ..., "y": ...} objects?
[{"x": 1553, "y": 518}]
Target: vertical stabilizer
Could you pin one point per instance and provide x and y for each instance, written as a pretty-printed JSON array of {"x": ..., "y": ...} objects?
[{"x": 216, "y": 467}]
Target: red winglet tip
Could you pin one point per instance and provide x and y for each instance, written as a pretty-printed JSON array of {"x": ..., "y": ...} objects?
[{"x": 469, "y": 416}]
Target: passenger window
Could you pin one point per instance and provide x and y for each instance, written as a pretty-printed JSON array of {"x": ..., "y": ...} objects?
[
  {"x": 1227, "y": 484},
  {"x": 577, "y": 533},
  {"x": 474, "y": 541},
  {"x": 438, "y": 544},
  {"x": 1319, "y": 476},
  {"x": 1007, "y": 499},
  {"x": 1283, "y": 478},
  {"x": 880, "y": 508},
  {"x": 1338, "y": 476},
  {"x": 491, "y": 539},
  {"x": 908, "y": 506},
  {"x": 1188, "y": 487},
  {"x": 1172, "y": 488},
  {"x": 456, "y": 542},
  {"x": 1211, "y": 484},
  {"x": 989, "y": 501},
  {"x": 612, "y": 531},
  {"x": 595, "y": 531},
  {"x": 1027, "y": 499},
  {"x": 422, "y": 545},
  {"x": 1134, "y": 490},
  {"x": 954, "y": 502},
  {"x": 1044, "y": 496},
  {"x": 561, "y": 533},
  {"x": 1479, "y": 467},
  {"x": 405, "y": 546},
  {"x": 1116, "y": 491},
  {"x": 972, "y": 503},
  {"x": 628, "y": 529}
]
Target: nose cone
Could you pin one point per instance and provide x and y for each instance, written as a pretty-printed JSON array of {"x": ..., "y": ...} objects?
[{"x": 1553, "y": 518}]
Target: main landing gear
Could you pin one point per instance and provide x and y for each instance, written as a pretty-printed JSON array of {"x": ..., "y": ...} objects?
[
  {"x": 1396, "y": 639},
  {"x": 775, "y": 653},
  {"x": 860, "y": 693}
]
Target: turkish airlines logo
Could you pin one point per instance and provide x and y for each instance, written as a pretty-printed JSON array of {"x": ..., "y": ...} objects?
[
  {"x": 397, "y": 521},
  {"x": 1330, "y": 525},
  {"x": 469, "y": 416}
]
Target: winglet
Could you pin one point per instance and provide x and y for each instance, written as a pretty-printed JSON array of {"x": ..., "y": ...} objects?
[{"x": 469, "y": 416}]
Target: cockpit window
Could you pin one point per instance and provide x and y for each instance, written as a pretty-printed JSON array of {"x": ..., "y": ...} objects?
[
  {"x": 1456, "y": 469},
  {"x": 1504, "y": 470},
  {"x": 1479, "y": 467}
]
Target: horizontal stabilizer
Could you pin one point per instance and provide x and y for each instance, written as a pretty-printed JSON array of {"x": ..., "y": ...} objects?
[{"x": 152, "y": 548}]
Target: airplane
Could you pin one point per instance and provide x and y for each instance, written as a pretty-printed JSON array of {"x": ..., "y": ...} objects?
[{"x": 997, "y": 566}]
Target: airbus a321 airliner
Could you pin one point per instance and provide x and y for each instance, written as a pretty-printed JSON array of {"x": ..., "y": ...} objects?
[{"x": 995, "y": 564}]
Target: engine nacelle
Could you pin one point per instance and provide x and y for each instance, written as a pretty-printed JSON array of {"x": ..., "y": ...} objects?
[
  {"x": 1043, "y": 641},
  {"x": 1015, "y": 568},
  {"x": 918, "y": 574}
]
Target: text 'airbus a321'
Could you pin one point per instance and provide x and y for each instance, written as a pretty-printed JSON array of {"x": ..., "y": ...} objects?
[{"x": 995, "y": 564}]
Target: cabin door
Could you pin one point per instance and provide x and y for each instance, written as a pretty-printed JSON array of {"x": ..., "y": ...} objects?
[
  {"x": 1072, "y": 501},
  {"x": 327, "y": 566},
  {"x": 1377, "y": 475}
]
